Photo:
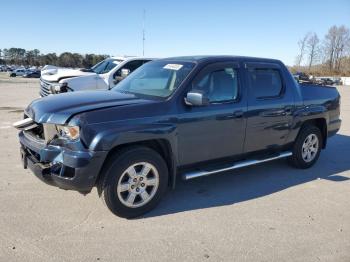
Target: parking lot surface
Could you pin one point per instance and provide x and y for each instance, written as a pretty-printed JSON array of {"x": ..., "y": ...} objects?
[{"x": 269, "y": 212}]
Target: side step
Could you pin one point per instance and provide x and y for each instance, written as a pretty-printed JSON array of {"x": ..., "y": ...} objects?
[{"x": 236, "y": 165}]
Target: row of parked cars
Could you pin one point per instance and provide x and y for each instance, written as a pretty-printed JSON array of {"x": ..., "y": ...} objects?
[
  {"x": 145, "y": 123},
  {"x": 21, "y": 71},
  {"x": 27, "y": 73},
  {"x": 304, "y": 78}
]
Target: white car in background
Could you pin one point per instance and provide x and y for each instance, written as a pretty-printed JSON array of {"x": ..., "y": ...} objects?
[
  {"x": 102, "y": 76},
  {"x": 18, "y": 72}
]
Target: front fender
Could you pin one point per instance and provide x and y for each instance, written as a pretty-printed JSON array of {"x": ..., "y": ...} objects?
[
  {"x": 112, "y": 137},
  {"x": 109, "y": 138}
]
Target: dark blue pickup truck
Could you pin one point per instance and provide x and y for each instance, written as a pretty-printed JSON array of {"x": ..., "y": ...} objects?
[{"x": 182, "y": 116}]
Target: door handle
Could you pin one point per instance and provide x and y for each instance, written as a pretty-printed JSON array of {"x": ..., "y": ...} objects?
[
  {"x": 288, "y": 110},
  {"x": 238, "y": 114},
  {"x": 234, "y": 115},
  {"x": 278, "y": 112}
]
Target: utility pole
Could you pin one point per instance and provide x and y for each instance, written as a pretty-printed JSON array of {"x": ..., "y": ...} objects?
[{"x": 143, "y": 32}]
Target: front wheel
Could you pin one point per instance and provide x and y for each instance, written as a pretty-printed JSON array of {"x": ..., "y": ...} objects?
[
  {"x": 134, "y": 182},
  {"x": 307, "y": 147}
]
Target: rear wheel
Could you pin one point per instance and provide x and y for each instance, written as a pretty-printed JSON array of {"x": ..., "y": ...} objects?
[
  {"x": 134, "y": 182},
  {"x": 307, "y": 147}
]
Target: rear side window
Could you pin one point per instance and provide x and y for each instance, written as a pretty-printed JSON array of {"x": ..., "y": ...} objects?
[{"x": 265, "y": 82}]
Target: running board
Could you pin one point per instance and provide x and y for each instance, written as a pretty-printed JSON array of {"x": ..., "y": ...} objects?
[{"x": 236, "y": 165}]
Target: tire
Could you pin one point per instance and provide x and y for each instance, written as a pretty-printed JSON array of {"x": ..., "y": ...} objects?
[
  {"x": 300, "y": 158},
  {"x": 119, "y": 184}
]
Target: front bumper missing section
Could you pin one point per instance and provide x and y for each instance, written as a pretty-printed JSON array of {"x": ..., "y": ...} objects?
[{"x": 70, "y": 169}]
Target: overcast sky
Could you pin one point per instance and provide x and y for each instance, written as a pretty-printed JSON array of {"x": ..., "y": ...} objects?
[{"x": 267, "y": 28}]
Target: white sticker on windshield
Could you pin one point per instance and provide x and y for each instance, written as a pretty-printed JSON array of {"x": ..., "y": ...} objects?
[
  {"x": 173, "y": 66},
  {"x": 116, "y": 62}
]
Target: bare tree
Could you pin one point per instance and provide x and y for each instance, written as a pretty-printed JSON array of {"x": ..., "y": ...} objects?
[
  {"x": 312, "y": 48},
  {"x": 329, "y": 45},
  {"x": 331, "y": 56},
  {"x": 343, "y": 39},
  {"x": 302, "y": 46},
  {"x": 335, "y": 43}
]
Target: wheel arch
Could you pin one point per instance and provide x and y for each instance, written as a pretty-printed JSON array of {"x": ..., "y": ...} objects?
[
  {"x": 321, "y": 124},
  {"x": 161, "y": 146}
]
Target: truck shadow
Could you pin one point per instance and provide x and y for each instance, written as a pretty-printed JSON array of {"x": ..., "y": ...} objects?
[{"x": 255, "y": 182}]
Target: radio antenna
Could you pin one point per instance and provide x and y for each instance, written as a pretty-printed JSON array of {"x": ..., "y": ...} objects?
[{"x": 143, "y": 32}]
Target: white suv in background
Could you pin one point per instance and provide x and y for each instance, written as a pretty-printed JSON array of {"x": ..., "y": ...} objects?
[{"x": 102, "y": 76}]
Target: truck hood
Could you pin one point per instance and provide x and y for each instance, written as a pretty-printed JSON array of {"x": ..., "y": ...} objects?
[
  {"x": 58, "y": 109},
  {"x": 55, "y": 75}
]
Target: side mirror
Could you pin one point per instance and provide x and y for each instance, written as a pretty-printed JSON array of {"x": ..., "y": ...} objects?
[
  {"x": 195, "y": 98},
  {"x": 120, "y": 75},
  {"x": 125, "y": 72}
]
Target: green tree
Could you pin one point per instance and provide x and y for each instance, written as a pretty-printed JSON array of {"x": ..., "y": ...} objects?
[
  {"x": 33, "y": 57},
  {"x": 49, "y": 59},
  {"x": 16, "y": 55}
]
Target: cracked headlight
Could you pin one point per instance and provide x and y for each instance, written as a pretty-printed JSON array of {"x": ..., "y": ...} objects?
[{"x": 68, "y": 132}]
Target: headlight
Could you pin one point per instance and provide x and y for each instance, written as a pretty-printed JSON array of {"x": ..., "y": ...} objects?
[
  {"x": 70, "y": 132},
  {"x": 58, "y": 88}
]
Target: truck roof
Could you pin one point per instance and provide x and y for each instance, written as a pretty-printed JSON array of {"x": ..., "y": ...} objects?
[
  {"x": 124, "y": 58},
  {"x": 215, "y": 58}
]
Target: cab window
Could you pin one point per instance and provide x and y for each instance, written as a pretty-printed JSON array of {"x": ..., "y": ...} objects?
[
  {"x": 265, "y": 82},
  {"x": 219, "y": 84},
  {"x": 132, "y": 66}
]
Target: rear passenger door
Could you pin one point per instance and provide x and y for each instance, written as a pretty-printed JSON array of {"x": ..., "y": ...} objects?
[{"x": 270, "y": 107}]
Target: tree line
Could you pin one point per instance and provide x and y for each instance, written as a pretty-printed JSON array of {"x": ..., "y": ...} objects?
[
  {"x": 20, "y": 56},
  {"x": 327, "y": 56}
]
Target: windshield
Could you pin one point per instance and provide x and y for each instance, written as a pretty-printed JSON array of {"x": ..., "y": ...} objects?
[
  {"x": 157, "y": 78},
  {"x": 105, "y": 66}
]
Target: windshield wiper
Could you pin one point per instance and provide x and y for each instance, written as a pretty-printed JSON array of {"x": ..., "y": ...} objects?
[{"x": 124, "y": 91}]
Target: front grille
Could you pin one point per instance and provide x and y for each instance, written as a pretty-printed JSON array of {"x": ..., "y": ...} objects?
[
  {"x": 30, "y": 127},
  {"x": 37, "y": 132},
  {"x": 45, "y": 88}
]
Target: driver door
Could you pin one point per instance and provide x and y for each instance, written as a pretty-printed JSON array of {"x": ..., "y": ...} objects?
[{"x": 216, "y": 130}]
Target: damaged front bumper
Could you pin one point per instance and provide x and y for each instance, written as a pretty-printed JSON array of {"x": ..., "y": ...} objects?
[{"x": 70, "y": 166}]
